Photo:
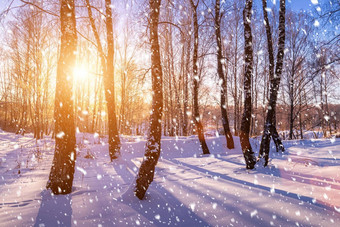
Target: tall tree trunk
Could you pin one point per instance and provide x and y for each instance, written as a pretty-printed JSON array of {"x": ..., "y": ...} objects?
[
  {"x": 248, "y": 72},
  {"x": 291, "y": 97},
  {"x": 45, "y": 103},
  {"x": 291, "y": 111},
  {"x": 94, "y": 109},
  {"x": 197, "y": 120},
  {"x": 172, "y": 88},
  {"x": 235, "y": 86},
  {"x": 99, "y": 122},
  {"x": 322, "y": 117},
  {"x": 108, "y": 77},
  {"x": 272, "y": 130},
  {"x": 221, "y": 74},
  {"x": 300, "y": 117},
  {"x": 123, "y": 118},
  {"x": 186, "y": 89},
  {"x": 153, "y": 145},
  {"x": 62, "y": 170},
  {"x": 275, "y": 135},
  {"x": 171, "y": 110},
  {"x": 114, "y": 141},
  {"x": 6, "y": 111},
  {"x": 274, "y": 88},
  {"x": 328, "y": 118}
]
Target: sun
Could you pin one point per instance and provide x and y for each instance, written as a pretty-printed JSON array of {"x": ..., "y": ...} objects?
[{"x": 80, "y": 73}]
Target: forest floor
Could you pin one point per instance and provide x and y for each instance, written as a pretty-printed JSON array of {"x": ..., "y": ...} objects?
[{"x": 301, "y": 187}]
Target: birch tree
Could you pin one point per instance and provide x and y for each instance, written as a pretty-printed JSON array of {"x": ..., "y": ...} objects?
[
  {"x": 153, "y": 145},
  {"x": 269, "y": 127},
  {"x": 108, "y": 76},
  {"x": 222, "y": 77},
  {"x": 62, "y": 170},
  {"x": 248, "y": 73},
  {"x": 196, "y": 114}
]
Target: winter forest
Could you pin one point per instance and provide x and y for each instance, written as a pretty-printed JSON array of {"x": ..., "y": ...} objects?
[{"x": 169, "y": 113}]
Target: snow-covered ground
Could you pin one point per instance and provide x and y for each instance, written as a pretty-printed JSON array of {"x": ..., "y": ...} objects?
[{"x": 300, "y": 187}]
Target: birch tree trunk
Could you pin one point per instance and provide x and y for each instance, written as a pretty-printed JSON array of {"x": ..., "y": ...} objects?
[
  {"x": 269, "y": 127},
  {"x": 153, "y": 145},
  {"x": 186, "y": 89},
  {"x": 109, "y": 86},
  {"x": 196, "y": 114},
  {"x": 221, "y": 74},
  {"x": 248, "y": 73},
  {"x": 272, "y": 130},
  {"x": 108, "y": 76},
  {"x": 62, "y": 170}
]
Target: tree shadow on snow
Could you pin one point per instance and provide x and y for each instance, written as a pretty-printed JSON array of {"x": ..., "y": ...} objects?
[
  {"x": 55, "y": 210},
  {"x": 279, "y": 192},
  {"x": 125, "y": 169},
  {"x": 160, "y": 208}
]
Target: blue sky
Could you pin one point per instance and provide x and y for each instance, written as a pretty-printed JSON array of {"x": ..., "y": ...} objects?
[{"x": 301, "y": 4}]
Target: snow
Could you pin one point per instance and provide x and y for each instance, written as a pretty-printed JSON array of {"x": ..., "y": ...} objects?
[
  {"x": 315, "y": 2},
  {"x": 300, "y": 187}
]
